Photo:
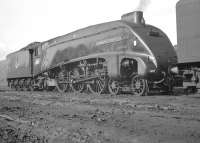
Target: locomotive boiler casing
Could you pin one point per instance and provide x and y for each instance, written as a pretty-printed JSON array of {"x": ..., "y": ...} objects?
[{"x": 123, "y": 39}]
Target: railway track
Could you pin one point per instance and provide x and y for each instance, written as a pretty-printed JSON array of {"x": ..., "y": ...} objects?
[{"x": 176, "y": 92}]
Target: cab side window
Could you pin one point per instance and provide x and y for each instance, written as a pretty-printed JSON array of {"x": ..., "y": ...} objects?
[{"x": 36, "y": 52}]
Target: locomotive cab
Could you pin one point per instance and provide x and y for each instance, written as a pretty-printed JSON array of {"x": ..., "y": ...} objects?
[{"x": 35, "y": 57}]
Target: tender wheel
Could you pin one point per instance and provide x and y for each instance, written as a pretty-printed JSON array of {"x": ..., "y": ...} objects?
[
  {"x": 12, "y": 84},
  {"x": 20, "y": 85},
  {"x": 139, "y": 86},
  {"x": 97, "y": 86},
  {"x": 25, "y": 88},
  {"x": 113, "y": 86},
  {"x": 31, "y": 85},
  {"x": 17, "y": 88}
]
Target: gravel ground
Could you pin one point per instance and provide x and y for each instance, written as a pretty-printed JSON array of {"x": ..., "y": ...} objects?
[{"x": 37, "y": 117}]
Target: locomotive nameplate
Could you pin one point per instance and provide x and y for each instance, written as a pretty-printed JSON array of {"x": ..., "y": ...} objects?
[{"x": 111, "y": 40}]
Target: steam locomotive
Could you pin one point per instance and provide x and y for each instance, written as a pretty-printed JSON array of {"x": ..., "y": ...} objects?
[{"x": 126, "y": 55}]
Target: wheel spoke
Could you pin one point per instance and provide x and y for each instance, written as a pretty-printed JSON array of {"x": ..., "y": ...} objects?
[
  {"x": 77, "y": 87},
  {"x": 75, "y": 75},
  {"x": 97, "y": 86},
  {"x": 100, "y": 84},
  {"x": 139, "y": 86},
  {"x": 62, "y": 87},
  {"x": 113, "y": 86}
]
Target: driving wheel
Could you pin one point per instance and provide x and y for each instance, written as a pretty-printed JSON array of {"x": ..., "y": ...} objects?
[
  {"x": 139, "y": 86},
  {"x": 77, "y": 86}
]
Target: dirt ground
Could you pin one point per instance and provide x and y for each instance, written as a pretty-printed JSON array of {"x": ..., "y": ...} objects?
[{"x": 36, "y": 117}]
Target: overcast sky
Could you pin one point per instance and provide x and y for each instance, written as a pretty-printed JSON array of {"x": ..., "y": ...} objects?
[{"x": 25, "y": 21}]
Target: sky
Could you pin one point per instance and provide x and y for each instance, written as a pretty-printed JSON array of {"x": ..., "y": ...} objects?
[{"x": 26, "y": 21}]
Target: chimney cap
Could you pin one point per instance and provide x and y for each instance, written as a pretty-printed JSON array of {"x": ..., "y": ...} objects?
[{"x": 135, "y": 17}]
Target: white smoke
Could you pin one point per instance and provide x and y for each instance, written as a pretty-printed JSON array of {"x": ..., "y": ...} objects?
[{"x": 143, "y": 4}]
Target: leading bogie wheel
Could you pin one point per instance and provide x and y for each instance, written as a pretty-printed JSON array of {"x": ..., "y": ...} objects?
[{"x": 139, "y": 86}]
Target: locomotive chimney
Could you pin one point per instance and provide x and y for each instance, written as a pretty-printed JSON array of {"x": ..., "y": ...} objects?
[{"x": 135, "y": 17}]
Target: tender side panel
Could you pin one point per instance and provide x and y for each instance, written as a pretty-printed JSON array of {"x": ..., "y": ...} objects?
[{"x": 19, "y": 64}]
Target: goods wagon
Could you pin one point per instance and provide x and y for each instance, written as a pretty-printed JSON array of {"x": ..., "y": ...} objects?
[
  {"x": 123, "y": 55},
  {"x": 188, "y": 39}
]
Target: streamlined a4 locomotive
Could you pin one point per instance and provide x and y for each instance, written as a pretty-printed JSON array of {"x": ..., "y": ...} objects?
[{"x": 124, "y": 55}]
